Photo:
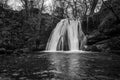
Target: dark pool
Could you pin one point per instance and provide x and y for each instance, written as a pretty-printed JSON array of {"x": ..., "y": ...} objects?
[{"x": 60, "y": 66}]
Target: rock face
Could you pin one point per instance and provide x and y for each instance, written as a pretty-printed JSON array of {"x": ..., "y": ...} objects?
[
  {"x": 106, "y": 37},
  {"x": 102, "y": 42}
]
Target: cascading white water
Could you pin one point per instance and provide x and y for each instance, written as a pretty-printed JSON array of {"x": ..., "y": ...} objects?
[{"x": 67, "y": 32}]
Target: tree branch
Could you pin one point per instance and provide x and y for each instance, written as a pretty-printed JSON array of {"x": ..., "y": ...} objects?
[{"x": 112, "y": 10}]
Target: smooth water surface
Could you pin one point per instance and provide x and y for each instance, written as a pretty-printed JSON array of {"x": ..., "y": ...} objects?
[{"x": 61, "y": 66}]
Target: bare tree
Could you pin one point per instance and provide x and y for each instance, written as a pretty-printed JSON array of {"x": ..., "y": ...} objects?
[
  {"x": 40, "y": 5},
  {"x": 3, "y": 3},
  {"x": 79, "y": 7},
  {"x": 82, "y": 9},
  {"x": 29, "y": 4}
]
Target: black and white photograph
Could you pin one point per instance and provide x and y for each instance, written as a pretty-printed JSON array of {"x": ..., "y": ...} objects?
[{"x": 59, "y": 39}]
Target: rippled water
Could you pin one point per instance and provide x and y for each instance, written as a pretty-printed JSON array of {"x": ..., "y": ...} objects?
[{"x": 61, "y": 66}]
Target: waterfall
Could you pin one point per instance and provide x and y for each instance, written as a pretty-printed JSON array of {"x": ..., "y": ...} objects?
[{"x": 67, "y": 35}]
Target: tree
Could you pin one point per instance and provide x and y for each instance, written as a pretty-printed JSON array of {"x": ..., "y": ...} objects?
[
  {"x": 81, "y": 9},
  {"x": 108, "y": 4},
  {"x": 3, "y": 4},
  {"x": 35, "y": 20}
]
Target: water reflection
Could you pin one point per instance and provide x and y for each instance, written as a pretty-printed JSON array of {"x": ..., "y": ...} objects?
[
  {"x": 62, "y": 66},
  {"x": 78, "y": 66},
  {"x": 73, "y": 65},
  {"x": 67, "y": 65}
]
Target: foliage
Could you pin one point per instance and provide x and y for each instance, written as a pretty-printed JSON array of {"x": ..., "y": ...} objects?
[
  {"x": 30, "y": 28},
  {"x": 17, "y": 31}
]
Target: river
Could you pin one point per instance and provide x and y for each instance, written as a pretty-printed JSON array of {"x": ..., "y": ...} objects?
[{"x": 60, "y": 66}]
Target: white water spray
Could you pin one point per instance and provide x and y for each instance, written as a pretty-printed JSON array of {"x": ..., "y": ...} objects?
[{"x": 67, "y": 35}]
